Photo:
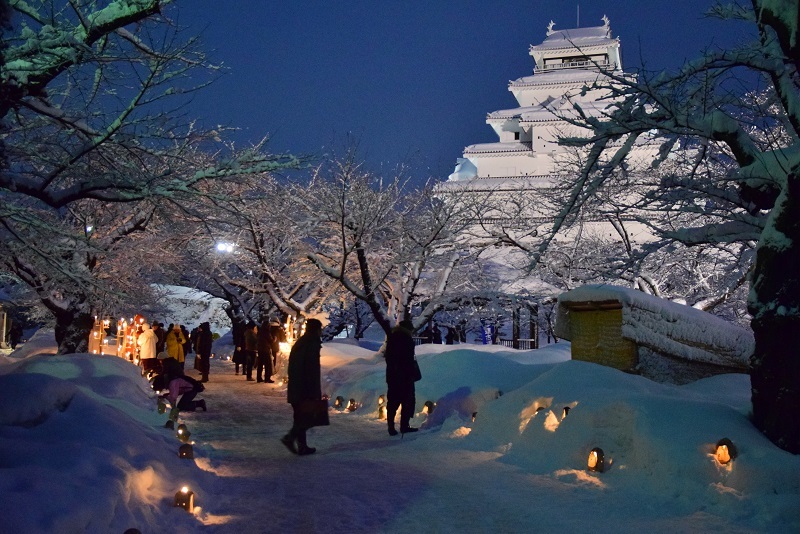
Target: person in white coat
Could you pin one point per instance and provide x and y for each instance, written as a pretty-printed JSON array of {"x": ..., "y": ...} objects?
[{"x": 147, "y": 349}]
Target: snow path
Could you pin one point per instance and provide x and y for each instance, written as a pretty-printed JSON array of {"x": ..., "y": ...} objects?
[{"x": 363, "y": 480}]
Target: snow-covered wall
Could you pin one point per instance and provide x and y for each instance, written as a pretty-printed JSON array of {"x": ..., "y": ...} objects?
[{"x": 665, "y": 327}]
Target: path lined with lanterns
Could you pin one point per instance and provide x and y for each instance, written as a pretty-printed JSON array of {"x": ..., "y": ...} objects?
[{"x": 360, "y": 475}]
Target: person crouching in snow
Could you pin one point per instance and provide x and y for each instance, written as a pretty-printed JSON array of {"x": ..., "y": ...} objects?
[{"x": 181, "y": 389}]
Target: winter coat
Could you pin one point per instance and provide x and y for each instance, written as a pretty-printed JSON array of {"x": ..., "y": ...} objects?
[
  {"x": 187, "y": 345},
  {"x": 400, "y": 357},
  {"x": 147, "y": 343},
  {"x": 304, "y": 370},
  {"x": 250, "y": 340},
  {"x": 264, "y": 341},
  {"x": 237, "y": 332},
  {"x": 175, "y": 341},
  {"x": 204, "y": 341},
  {"x": 278, "y": 337}
]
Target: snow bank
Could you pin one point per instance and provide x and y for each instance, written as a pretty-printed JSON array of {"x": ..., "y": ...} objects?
[
  {"x": 84, "y": 450},
  {"x": 657, "y": 439}
]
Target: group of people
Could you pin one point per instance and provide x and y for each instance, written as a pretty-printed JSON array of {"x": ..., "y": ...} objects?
[
  {"x": 257, "y": 348},
  {"x": 304, "y": 388},
  {"x": 177, "y": 343},
  {"x": 163, "y": 352}
]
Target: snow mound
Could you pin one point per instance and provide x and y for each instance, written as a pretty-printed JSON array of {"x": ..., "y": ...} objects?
[{"x": 81, "y": 433}]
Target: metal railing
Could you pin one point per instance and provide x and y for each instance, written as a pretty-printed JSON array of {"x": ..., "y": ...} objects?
[
  {"x": 576, "y": 65},
  {"x": 520, "y": 344}
]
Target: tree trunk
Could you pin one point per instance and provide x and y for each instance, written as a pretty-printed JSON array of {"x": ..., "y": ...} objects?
[
  {"x": 774, "y": 303},
  {"x": 73, "y": 328}
]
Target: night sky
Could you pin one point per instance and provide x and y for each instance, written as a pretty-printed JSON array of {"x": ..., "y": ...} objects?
[{"x": 409, "y": 82}]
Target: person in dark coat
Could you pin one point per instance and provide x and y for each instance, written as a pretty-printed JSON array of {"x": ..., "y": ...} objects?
[
  {"x": 264, "y": 358},
  {"x": 278, "y": 337},
  {"x": 203, "y": 342},
  {"x": 237, "y": 332},
  {"x": 15, "y": 335},
  {"x": 437, "y": 335},
  {"x": 400, "y": 371},
  {"x": 304, "y": 385},
  {"x": 161, "y": 342},
  {"x": 250, "y": 349}
]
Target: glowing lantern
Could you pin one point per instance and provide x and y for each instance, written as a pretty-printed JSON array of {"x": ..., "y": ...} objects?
[
  {"x": 428, "y": 407},
  {"x": 382, "y": 415},
  {"x": 381, "y": 400},
  {"x": 162, "y": 406},
  {"x": 352, "y": 405},
  {"x": 726, "y": 451},
  {"x": 186, "y": 451},
  {"x": 566, "y": 411},
  {"x": 185, "y": 499},
  {"x": 183, "y": 433},
  {"x": 338, "y": 403},
  {"x": 596, "y": 460}
]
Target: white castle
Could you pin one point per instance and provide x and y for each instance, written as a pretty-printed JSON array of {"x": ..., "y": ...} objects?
[{"x": 527, "y": 156}]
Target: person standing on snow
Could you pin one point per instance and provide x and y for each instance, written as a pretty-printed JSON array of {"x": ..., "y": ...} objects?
[
  {"x": 400, "y": 376},
  {"x": 147, "y": 341},
  {"x": 174, "y": 341},
  {"x": 203, "y": 342},
  {"x": 264, "y": 358},
  {"x": 304, "y": 385},
  {"x": 250, "y": 349}
]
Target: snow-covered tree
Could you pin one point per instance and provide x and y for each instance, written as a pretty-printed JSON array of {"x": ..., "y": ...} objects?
[
  {"x": 90, "y": 99},
  {"x": 758, "y": 200},
  {"x": 392, "y": 250}
]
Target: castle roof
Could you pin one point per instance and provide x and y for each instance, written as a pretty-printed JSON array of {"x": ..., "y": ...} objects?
[{"x": 576, "y": 38}]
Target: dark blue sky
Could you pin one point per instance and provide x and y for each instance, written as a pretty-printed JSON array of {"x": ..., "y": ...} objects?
[{"x": 412, "y": 82}]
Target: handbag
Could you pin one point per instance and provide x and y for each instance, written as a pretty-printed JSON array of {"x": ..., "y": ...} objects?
[
  {"x": 315, "y": 412},
  {"x": 416, "y": 374}
]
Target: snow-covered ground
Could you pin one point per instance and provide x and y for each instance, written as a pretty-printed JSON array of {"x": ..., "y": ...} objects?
[{"x": 84, "y": 449}]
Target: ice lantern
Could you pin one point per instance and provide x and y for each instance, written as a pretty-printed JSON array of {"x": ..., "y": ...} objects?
[
  {"x": 596, "y": 460},
  {"x": 183, "y": 433},
  {"x": 726, "y": 451},
  {"x": 186, "y": 451},
  {"x": 185, "y": 499}
]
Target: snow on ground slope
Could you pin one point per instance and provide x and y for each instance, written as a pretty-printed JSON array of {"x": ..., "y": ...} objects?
[{"x": 82, "y": 433}]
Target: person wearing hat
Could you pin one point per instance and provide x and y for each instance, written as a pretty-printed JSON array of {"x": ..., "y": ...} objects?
[
  {"x": 400, "y": 376},
  {"x": 304, "y": 386}
]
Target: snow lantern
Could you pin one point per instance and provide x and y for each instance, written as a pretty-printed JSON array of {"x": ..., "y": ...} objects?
[
  {"x": 596, "y": 460},
  {"x": 170, "y": 424},
  {"x": 726, "y": 451},
  {"x": 428, "y": 407},
  {"x": 382, "y": 412},
  {"x": 183, "y": 433},
  {"x": 474, "y": 415},
  {"x": 339, "y": 403},
  {"x": 352, "y": 405},
  {"x": 186, "y": 451},
  {"x": 185, "y": 499},
  {"x": 565, "y": 412}
]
